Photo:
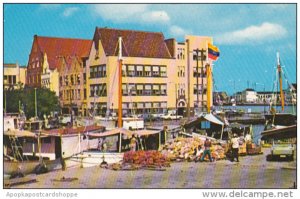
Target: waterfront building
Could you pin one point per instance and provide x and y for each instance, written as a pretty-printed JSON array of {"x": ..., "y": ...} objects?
[
  {"x": 157, "y": 74},
  {"x": 249, "y": 96},
  {"x": 14, "y": 76},
  {"x": 59, "y": 65}
]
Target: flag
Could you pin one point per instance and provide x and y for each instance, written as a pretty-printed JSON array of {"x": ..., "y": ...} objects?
[{"x": 213, "y": 52}]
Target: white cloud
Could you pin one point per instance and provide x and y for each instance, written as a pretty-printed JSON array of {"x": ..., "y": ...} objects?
[
  {"x": 155, "y": 16},
  {"x": 70, "y": 11},
  {"x": 118, "y": 12},
  {"x": 178, "y": 31},
  {"x": 137, "y": 13},
  {"x": 253, "y": 34}
]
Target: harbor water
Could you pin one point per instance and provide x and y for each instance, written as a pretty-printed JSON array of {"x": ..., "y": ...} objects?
[{"x": 258, "y": 128}]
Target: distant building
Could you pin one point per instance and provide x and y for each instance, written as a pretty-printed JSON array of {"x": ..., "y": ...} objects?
[
  {"x": 249, "y": 96},
  {"x": 14, "y": 76},
  {"x": 265, "y": 96}
]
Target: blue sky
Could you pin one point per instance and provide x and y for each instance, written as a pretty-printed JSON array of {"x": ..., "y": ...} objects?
[{"x": 248, "y": 35}]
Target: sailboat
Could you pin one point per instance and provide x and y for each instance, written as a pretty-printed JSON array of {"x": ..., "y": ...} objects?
[
  {"x": 283, "y": 125},
  {"x": 279, "y": 118}
]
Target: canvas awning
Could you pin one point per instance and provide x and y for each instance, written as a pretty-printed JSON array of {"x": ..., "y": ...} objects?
[
  {"x": 123, "y": 131},
  {"x": 210, "y": 117},
  {"x": 19, "y": 133}
]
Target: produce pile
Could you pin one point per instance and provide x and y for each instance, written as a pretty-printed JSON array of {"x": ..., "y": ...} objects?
[
  {"x": 182, "y": 149},
  {"x": 133, "y": 160}
]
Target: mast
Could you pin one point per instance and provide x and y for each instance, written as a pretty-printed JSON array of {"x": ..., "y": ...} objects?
[
  {"x": 209, "y": 81},
  {"x": 279, "y": 70},
  {"x": 120, "y": 85}
]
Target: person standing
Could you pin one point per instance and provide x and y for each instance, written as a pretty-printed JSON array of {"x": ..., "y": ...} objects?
[
  {"x": 133, "y": 143},
  {"x": 235, "y": 147},
  {"x": 207, "y": 145}
]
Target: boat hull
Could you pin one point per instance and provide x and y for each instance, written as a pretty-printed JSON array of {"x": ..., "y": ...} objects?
[
  {"x": 90, "y": 159},
  {"x": 27, "y": 167}
]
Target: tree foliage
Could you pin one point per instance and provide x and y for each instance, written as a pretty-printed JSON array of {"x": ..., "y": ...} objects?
[{"x": 47, "y": 101}]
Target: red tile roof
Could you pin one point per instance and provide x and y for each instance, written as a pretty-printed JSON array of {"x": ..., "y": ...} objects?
[
  {"x": 55, "y": 47},
  {"x": 134, "y": 43}
]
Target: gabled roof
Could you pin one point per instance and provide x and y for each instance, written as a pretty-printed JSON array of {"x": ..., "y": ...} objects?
[
  {"x": 55, "y": 47},
  {"x": 171, "y": 46},
  {"x": 134, "y": 43}
]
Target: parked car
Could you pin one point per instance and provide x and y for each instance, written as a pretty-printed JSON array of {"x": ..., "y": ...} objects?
[
  {"x": 281, "y": 150},
  {"x": 65, "y": 119},
  {"x": 171, "y": 116}
]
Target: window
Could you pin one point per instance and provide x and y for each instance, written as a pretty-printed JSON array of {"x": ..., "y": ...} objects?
[
  {"x": 131, "y": 71},
  {"x": 139, "y": 89},
  {"x": 72, "y": 80},
  {"x": 147, "y": 90},
  {"x": 84, "y": 93},
  {"x": 155, "y": 71},
  {"x": 92, "y": 91},
  {"x": 124, "y": 73},
  {"x": 156, "y": 90},
  {"x": 92, "y": 72},
  {"x": 163, "y": 89},
  {"x": 147, "y": 71},
  {"x": 78, "y": 79},
  {"x": 84, "y": 78},
  {"x": 124, "y": 89},
  {"x": 104, "y": 71},
  {"x": 163, "y": 71},
  {"x": 131, "y": 89},
  {"x": 140, "y": 105},
  {"x": 148, "y": 105},
  {"x": 60, "y": 81},
  {"x": 139, "y": 71},
  {"x": 195, "y": 72}
]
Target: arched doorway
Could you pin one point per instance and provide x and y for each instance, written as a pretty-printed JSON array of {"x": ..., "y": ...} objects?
[{"x": 181, "y": 106}]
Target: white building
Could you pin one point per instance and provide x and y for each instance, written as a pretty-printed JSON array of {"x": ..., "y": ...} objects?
[{"x": 249, "y": 96}]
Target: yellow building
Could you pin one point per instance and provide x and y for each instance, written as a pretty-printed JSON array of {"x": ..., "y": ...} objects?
[
  {"x": 72, "y": 81},
  {"x": 157, "y": 74},
  {"x": 14, "y": 76}
]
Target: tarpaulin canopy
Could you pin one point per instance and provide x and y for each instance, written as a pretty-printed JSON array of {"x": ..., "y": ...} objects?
[
  {"x": 208, "y": 117},
  {"x": 280, "y": 133},
  {"x": 20, "y": 133},
  {"x": 123, "y": 131}
]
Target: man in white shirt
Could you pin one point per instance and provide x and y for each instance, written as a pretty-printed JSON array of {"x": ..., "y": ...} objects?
[{"x": 235, "y": 147}]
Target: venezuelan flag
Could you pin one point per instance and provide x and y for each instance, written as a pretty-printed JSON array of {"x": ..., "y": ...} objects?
[{"x": 213, "y": 52}]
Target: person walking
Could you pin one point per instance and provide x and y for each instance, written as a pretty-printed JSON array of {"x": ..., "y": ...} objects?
[
  {"x": 235, "y": 148},
  {"x": 207, "y": 145}
]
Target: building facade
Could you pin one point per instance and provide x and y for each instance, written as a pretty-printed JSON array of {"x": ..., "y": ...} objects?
[
  {"x": 72, "y": 81},
  {"x": 14, "y": 76},
  {"x": 54, "y": 61},
  {"x": 157, "y": 74}
]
